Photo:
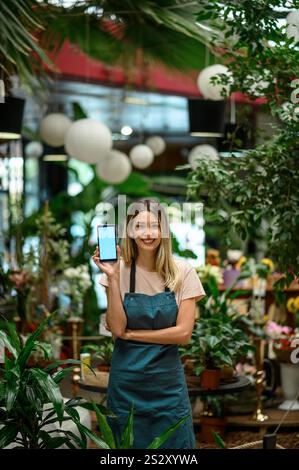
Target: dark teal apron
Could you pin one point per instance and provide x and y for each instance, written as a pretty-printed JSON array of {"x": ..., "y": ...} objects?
[{"x": 149, "y": 375}]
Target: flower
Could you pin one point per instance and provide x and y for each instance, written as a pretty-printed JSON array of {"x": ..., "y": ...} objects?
[
  {"x": 74, "y": 282},
  {"x": 293, "y": 304},
  {"x": 269, "y": 263},
  {"x": 275, "y": 330},
  {"x": 210, "y": 271},
  {"x": 241, "y": 262}
]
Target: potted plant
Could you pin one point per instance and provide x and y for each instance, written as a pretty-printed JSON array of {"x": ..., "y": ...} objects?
[
  {"x": 33, "y": 410},
  {"x": 212, "y": 419},
  {"x": 285, "y": 342},
  {"x": 219, "y": 337},
  {"x": 216, "y": 341},
  {"x": 102, "y": 351}
]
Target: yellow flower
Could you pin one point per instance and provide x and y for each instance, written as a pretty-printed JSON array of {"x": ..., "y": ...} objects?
[
  {"x": 268, "y": 262},
  {"x": 241, "y": 261},
  {"x": 291, "y": 306},
  {"x": 296, "y": 302}
]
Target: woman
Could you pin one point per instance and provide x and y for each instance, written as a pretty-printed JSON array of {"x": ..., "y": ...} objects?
[{"x": 150, "y": 311}]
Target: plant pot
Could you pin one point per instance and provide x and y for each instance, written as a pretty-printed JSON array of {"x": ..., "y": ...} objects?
[
  {"x": 290, "y": 386},
  {"x": 209, "y": 424},
  {"x": 226, "y": 372},
  {"x": 210, "y": 378},
  {"x": 103, "y": 367}
]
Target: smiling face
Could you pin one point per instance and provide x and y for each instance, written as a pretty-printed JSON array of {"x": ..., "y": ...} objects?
[{"x": 145, "y": 229}]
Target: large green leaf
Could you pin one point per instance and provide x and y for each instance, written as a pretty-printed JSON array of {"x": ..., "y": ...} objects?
[
  {"x": 30, "y": 343},
  {"x": 12, "y": 386},
  {"x": 8, "y": 343},
  {"x": 8, "y": 434},
  {"x": 50, "y": 389},
  {"x": 158, "y": 441},
  {"x": 104, "y": 428}
]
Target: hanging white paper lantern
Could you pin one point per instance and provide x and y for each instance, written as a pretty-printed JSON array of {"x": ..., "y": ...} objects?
[
  {"x": 115, "y": 168},
  {"x": 156, "y": 143},
  {"x": 34, "y": 149},
  {"x": 208, "y": 89},
  {"x": 292, "y": 28},
  {"x": 200, "y": 152},
  {"x": 141, "y": 156},
  {"x": 88, "y": 140},
  {"x": 53, "y": 129}
]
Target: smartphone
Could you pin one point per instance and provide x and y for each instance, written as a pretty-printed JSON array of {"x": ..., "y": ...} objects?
[{"x": 107, "y": 242}]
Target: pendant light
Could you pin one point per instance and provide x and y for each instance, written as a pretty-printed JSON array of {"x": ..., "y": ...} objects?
[
  {"x": 206, "y": 117},
  {"x": 11, "y": 117}
]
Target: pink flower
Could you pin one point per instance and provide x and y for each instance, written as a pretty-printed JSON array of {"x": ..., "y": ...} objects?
[{"x": 274, "y": 329}]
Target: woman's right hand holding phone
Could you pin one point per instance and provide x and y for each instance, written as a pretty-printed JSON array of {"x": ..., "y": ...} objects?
[{"x": 110, "y": 269}]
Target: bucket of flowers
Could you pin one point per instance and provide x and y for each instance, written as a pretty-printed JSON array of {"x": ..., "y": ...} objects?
[{"x": 285, "y": 342}]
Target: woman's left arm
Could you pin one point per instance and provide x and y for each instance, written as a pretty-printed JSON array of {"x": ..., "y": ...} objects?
[{"x": 179, "y": 334}]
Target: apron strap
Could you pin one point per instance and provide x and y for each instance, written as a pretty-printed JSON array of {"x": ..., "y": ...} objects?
[{"x": 133, "y": 274}]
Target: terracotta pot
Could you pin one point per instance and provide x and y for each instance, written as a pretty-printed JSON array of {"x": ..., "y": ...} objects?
[
  {"x": 210, "y": 378},
  {"x": 209, "y": 424},
  {"x": 103, "y": 367}
]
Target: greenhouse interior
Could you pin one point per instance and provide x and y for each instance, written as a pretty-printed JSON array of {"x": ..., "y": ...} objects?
[{"x": 149, "y": 214}]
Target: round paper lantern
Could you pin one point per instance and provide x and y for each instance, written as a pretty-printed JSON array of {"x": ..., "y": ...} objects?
[
  {"x": 115, "y": 168},
  {"x": 53, "y": 129},
  {"x": 141, "y": 156},
  {"x": 292, "y": 28},
  {"x": 157, "y": 144},
  {"x": 208, "y": 89},
  {"x": 200, "y": 152},
  {"x": 88, "y": 140},
  {"x": 34, "y": 149}
]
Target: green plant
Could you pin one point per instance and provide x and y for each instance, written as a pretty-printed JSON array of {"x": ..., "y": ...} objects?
[
  {"x": 131, "y": 33},
  {"x": 20, "y": 19},
  {"x": 103, "y": 350},
  {"x": 218, "y": 440},
  {"x": 260, "y": 189},
  {"x": 31, "y": 400},
  {"x": 127, "y": 437},
  {"x": 217, "y": 341}
]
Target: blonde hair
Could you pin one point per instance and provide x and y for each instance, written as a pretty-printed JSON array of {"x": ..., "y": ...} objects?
[{"x": 165, "y": 264}]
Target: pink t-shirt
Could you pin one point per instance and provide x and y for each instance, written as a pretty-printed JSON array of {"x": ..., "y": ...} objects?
[{"x": 150, "y": 283}]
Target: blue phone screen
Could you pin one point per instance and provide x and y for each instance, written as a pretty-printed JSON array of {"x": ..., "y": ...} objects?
[{"x": 107, "y": 242}]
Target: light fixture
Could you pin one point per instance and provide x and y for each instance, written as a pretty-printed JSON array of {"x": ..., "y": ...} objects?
[
  {"x": 88, "y": 140},
  {"x": 292, "y": 28},
  {"x": 135, "y": 100},
  {"x": 156, "y": 143},
  {"x": 141, "y": 156},
  {"x": 202, "y": 152},
  {"x": 11, "y": 117},
  {"x": 53, "y": 129},
  {"x": 116, "y": 167},
  {"x": 206, "y": 117},
  {"x": 34, "y": 149},
  {"x": 210, "y": 90},
  {"x": 55, "y": 158},
  {"x": 126, "y": 130}
]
